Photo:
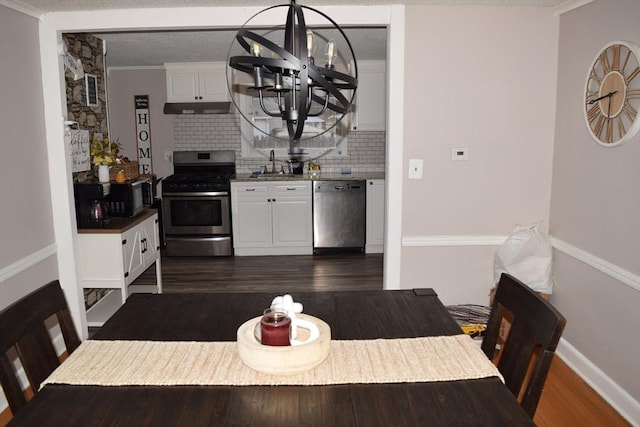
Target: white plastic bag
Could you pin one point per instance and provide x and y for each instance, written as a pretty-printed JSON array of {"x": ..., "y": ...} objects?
[{"x": 527, "y": 255}]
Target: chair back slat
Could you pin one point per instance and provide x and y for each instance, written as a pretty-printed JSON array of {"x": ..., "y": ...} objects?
[
  {"x": 23, "y": 329},
  {"x": 37, "y": 355},
  {"x": 534, "y": 330}
]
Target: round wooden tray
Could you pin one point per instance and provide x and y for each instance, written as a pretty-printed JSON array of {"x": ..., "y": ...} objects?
[{"x": 284, "y": 360}]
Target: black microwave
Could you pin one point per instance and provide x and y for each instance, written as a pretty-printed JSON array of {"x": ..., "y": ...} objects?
[{"x": 130, "y": 198}]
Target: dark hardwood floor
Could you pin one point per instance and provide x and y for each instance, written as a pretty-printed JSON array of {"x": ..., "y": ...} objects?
[{"x": 336, "y": 271}]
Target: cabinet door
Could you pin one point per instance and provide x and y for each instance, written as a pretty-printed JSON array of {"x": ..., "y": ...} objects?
[
  {"x": 149, "y": 240},
  {"x": 292, "y": 214},
  {"x": 252, "y": 224},
  {"x": 250, "y": 215},
  {"x": 132, "y": 254},
  {"x": 371, "y": 102},
  {"x": 182, "y": 85},
  {"x": 375, "y": 215},
  {"x": 213, "y": 83},
  {"x": 292, "y": 222}
]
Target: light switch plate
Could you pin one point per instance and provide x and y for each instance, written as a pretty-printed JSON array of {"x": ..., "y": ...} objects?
[{"x": 415, "y": 169}]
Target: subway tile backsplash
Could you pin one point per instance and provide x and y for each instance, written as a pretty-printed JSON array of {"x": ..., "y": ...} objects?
[{"x": 366, "y": 150}]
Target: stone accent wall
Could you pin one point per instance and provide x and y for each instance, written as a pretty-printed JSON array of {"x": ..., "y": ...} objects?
[
  {"x": 366, "y": 150},
  {"x": 89, "y": 50}
]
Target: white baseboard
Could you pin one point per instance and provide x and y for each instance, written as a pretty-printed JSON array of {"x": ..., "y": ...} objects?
[{"x": 609, "y": 390}]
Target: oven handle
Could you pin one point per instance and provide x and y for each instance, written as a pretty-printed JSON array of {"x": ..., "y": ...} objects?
[{"x": 196, "y": 194}]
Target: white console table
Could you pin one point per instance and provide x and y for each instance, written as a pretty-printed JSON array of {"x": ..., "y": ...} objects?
[{"x": 113, "y": 257}]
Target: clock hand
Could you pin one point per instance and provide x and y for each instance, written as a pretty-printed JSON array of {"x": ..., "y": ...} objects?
[{"x": 609, "y": 95}]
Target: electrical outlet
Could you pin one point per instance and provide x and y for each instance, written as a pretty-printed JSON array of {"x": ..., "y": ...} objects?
[
  {"x": 415, "y": 169},
  {"x": 460, "y": 153}
]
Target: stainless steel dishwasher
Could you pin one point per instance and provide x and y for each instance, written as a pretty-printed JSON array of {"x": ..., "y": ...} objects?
[{"x": 339, "y": 215}]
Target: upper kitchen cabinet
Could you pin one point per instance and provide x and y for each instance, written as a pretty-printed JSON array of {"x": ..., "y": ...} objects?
[
  {"x": 196, "y": 82},
  {"x": 371, "y": 97}
]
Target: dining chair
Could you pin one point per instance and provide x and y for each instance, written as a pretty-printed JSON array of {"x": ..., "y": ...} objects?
[
  {"x": 23, "y": 332},
  {"x": 534, "y": 329}
]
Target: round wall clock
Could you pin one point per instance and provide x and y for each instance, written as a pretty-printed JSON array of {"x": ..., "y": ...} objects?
[{"x": 612, "y": 94}]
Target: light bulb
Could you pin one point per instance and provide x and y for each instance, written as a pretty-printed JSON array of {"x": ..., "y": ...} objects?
[
  {"x": 255, "y": 49},
  {"x": 311, "y": 46},
  {"x": 331, "y": 53}
]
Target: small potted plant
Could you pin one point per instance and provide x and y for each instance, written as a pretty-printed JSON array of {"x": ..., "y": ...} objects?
[{"x": 104, "y": 153}]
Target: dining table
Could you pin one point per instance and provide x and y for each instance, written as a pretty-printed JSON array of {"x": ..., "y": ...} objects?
[{"x": 215, "y": 317}]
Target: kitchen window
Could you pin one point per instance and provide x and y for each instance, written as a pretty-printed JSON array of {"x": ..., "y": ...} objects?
[{"x": 272, "y": 133}]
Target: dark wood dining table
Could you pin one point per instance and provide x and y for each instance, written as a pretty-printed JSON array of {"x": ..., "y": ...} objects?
[{"x": 352, "y": 315}]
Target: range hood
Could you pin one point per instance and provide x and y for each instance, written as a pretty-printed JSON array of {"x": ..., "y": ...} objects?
[{"x": 198, "y": 108}]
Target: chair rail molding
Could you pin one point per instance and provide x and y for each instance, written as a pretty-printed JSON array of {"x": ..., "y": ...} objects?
[
  {"x": 454, "y": 240},
  {"x": 28, "y": 261},
  {"x": 610, "y": 269},
  {"x": 606, "y": 267}
]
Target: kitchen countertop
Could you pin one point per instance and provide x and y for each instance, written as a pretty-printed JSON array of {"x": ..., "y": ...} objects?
[
  {"x": 320, "y": 176},
  {"x": 120, "y": 225}
]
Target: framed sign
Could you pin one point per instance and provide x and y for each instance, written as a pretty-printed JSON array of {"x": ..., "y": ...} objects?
[
  {"x": 143, "y": 133},
  {"x": 91, "y": 89}
]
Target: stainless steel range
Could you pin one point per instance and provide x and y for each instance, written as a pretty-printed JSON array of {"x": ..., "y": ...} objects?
[{"x": 195, "y": 203}]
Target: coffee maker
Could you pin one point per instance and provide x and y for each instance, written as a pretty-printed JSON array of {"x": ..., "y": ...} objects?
[{"x": 91, "y": 206}]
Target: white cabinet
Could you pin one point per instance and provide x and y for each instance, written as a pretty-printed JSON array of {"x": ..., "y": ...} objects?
[
  {"x": 371, "y": 102},
  {"x": 272, "y": 218},
  {"x": 375, "y": 216},
  {"x": 113, "y": 257},
  {"x": 196, "y": 82}
]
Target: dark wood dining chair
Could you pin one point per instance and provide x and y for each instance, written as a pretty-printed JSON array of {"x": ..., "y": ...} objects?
[
  {"x": 534, "y": 329},
  {"x": 23, "y": 332}
]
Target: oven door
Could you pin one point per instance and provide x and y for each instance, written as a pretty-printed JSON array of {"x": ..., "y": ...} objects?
[{"x": 196, "y": 214}]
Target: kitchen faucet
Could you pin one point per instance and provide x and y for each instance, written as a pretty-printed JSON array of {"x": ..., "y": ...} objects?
[{"x": 272, "y": 159}]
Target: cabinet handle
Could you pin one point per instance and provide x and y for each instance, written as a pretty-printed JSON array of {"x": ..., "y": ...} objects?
[
  {"x": 291, "y": 189},
  {"x": 249, "y": 189},
  {"x": 124, "y": 242},
  {"x": 126, "y": 274}
]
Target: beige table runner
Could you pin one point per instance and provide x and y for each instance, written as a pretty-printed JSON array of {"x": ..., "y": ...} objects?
[{"x": 116, "y": 363}]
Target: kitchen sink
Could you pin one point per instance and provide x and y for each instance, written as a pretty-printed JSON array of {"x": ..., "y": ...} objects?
[{"x": 274, "y": 175}]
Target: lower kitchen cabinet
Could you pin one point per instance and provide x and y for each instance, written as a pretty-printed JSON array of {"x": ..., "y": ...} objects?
[
  {"x": 375, "y": 216},
  {"x": 113, "y": 257},
  {"x": 272, "y": 218}
]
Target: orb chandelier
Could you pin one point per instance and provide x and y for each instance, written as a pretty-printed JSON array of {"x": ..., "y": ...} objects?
[{"x": 280, "y": 67}]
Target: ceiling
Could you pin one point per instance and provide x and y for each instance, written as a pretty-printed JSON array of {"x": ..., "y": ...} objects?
[
  {"x": 147, "y": 49},
  {"x": 69, "y": 5}
]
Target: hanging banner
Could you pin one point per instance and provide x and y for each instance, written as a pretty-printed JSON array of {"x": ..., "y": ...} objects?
[{"x": 143, "y": 133}]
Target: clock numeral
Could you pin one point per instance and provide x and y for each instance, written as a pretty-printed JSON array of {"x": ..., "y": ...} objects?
[
  {"x": 621, "y": 128},
  {"x": 610, "y": 126},
  {"x": 626, "y": 60},
  {"x": 604, "y": 60},
  {"x": 593, "y": 112},
  {"x": 633, "y": 94},
  {"x": 629, "y": 111},
  {"x": 616, "y": 57},
  {"x": 599, "y": 126},
  {"x": 594, "y": 76},
  {"x": 631, "y": 76}
]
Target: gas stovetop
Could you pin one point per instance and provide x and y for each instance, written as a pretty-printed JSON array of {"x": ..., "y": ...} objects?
[
  {"x": 184, "y": 183},
  {"x": 200, "y": 171}
]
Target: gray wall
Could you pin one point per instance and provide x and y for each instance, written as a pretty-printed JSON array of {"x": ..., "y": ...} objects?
[
  {"x": 28, "y": 247},
  {"x": 595, "y": 203}
]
